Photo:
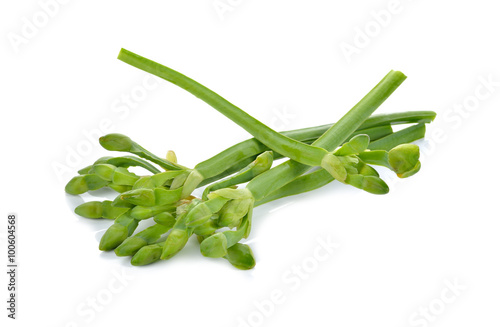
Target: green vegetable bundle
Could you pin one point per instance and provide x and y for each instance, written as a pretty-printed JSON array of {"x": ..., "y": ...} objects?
[{"x": 222, "y": 217}]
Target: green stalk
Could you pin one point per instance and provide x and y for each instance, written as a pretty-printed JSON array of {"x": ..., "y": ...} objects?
[
  {"x": 375, "y": 126},
  {"x": 244, "y": 153},
  {"x": 284, "y": 173},
  {"x": 240, "y": 155},
  {"x": 316, "y": 179},
  {"x": 274, "y": 140},
  {"x": 311, "y": 155},
  {"x": 388, "y": 142},
  {"x": 406, "y": 117}
]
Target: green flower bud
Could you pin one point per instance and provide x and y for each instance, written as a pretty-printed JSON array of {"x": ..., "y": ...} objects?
[
  {"x": 233, "y": 211},
  {"x": 198, "y": 215},
  {"x": 105, "y": 171},
  {"x": 113, "y": 237},
  {"x": 147, "y": 254},
  {"x": 83, "y": 183},
  {"x": 165, "y": 218},
  {"x": 206, "y": 229},
  {"x": 91, "y": 209},
  {"x": 116, "y": 142},
  {"x": 130, "y": 246},
  {"x": 241, "y": 256},
  {"x": 122, "y": 176},
  {"x": 332, "y": 164},
  {"x": 356, "y": 145},
  {"x": 370, "y": 184},
  {"x": 140, "y": 197},
  {"x": 262, "y": 163},
  {"x": 175, "y": 242},
  {"x": 140, "y": 212},
  {"x": 366, "y": 170},
  {"x": 76, "y": 185},
  {"x": 350, "y": 163},
  {"x": 191, "y": 183},
  {"x": 404, "y": 159},
  {"x": 411, "y": 172},
  {"x": 179, "y": 180},
  {"x": 214, "y": 246},
  {"x": 171, "y": 156},
  {"x": 203, "y": 211}
]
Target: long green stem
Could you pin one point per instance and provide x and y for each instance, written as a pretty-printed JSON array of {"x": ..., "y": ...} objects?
[
  {"x": 390, "y": 141},
  {"x": 281, "y": 175},
  {"x": 353, "y": 119},
  {"x": 306, "y": 154},
  {"x": 405, "y": 117},
  {"x": 316, "y": 179},
  {"x": 274, "y": 140},
  {"x": 243, "y": 153}
]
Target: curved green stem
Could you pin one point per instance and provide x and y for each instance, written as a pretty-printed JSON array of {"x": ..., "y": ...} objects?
[{"x": 280, "y": 143}]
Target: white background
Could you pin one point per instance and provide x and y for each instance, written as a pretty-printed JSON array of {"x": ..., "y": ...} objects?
[{"x": 282, "y": 61}]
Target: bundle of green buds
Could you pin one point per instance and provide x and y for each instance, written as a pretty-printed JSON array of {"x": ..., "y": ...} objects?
[{"x": 222, "y": 216}]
